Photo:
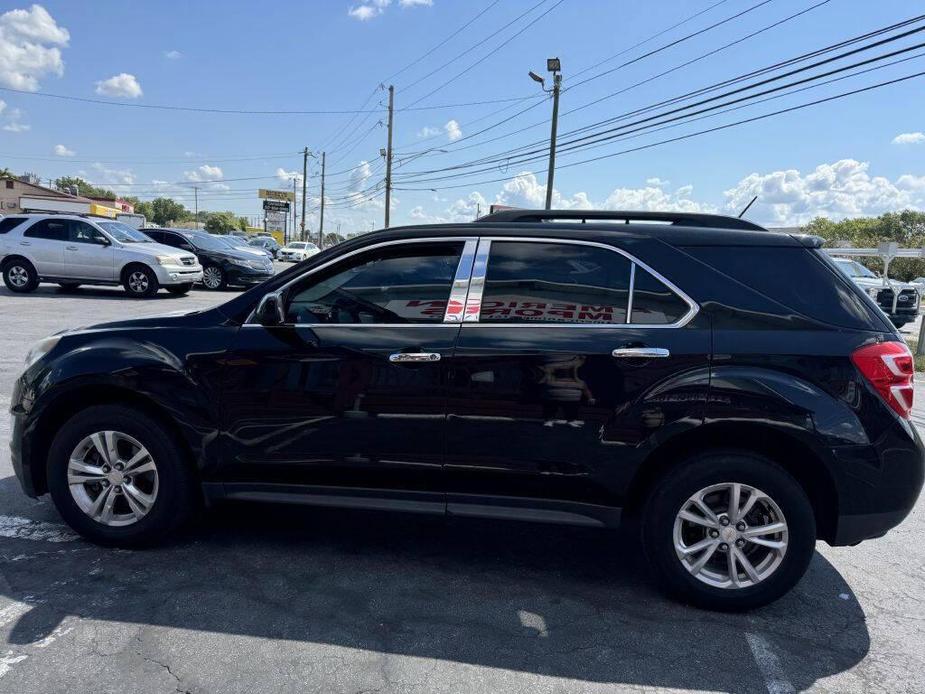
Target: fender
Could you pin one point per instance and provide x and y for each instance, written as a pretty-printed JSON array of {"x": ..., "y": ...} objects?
[{"x": 175, "y": 375}]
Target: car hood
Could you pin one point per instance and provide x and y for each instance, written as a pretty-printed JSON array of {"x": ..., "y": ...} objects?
[{"x": 153, "y": 249}]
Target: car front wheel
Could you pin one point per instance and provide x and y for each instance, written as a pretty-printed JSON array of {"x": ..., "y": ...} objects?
[
  {"x": 213, "y": 278},
  {"x": 140, "y": 282},
  {"x": 118, "y": 477},
  {"x": 728, "y": 531}
]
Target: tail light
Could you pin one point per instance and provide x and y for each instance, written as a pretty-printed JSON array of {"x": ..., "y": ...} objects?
[{"x": 889, "y": 368}]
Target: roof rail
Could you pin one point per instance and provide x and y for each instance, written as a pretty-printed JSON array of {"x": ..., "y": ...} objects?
[{"x": 687, "y": 219}]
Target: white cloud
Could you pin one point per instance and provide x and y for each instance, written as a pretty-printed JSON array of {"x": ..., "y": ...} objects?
[
  {"x": 115, "y": 179},
  {"x": 428, "y": 131},
  {"x": 657, "y": 182},
  {"x": 360, "y": 175},
  {"x": 12, "y": 119},
  {"x": 909, "y": 139},
  {"x": 62, "y": 151},
  {"x": 207, "y": 175},
  {"x": 173, "y": 55},
  {"x": 121, "y": 85},
  {"x": 655, "y": 198},
  {"x": 367, "y": 10},
  {"x": 285, "y": 177},
  {"x": 524, "y": 190},
  {"x": 453, "y": 131},
  {"x": 30, "y": 42},
  {"x": 416, "y": 3}
]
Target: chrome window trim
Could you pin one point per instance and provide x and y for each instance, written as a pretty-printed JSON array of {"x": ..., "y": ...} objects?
[
  {"x": 477, "y": 282},
  {"x": 428, "y": 239},
  {"x": 693, "y": 307},
  {"x": 456, "y": 305},
  {"x": 632, "y": 288}
]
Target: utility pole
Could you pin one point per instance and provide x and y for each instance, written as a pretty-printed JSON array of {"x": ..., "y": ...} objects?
[
  {"x": 196, "y": 208},
  {"x": 554, "y": 66},
  {"x": 304, "y": 179},
  {"x": 388, "y": 160},
  {"x": 321, "y": 219},
  {"x": 292, "y": 234},
  {"x": 478, "y": 210}
]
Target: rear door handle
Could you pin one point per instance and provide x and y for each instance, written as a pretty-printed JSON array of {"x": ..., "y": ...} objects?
[
  {"x": 405, "y": 357},
  {"x": 71, "y": 248},
  {"x": 25, "y": 243},
  {"x": 641, "y": 353}
]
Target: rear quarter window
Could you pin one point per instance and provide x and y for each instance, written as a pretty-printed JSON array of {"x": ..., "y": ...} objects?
[
  {"x": 795, "y": 278},
  {"x": 8, "y": 223}
]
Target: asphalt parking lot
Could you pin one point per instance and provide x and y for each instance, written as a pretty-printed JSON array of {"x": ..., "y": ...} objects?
[{"x": 257, "y": 599}]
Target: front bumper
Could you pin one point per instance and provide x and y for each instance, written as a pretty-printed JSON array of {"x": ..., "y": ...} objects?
[
  {"x": 19, "y": 452},
  {"x": 245, "y": 276},
  {"x": 168, "y": 275}
]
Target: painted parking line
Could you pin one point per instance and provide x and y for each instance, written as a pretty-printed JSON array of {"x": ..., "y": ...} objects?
[
  {"x": 769, "y": 665},
  {"x": 27, "y": 529}
]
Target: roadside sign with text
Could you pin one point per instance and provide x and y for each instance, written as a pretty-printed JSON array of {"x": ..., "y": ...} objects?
[
  {"x": 266, "y": 194},
  {"x": 275, "y": 206}
]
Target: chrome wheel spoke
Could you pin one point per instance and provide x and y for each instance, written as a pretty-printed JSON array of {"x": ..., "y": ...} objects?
[
  {"x": 138, "y": 501},
  {"x": 746, "y": 564},
  {"x": 770, "y": 544},
  {"x": 733, "y": 569},
  {"x": 703, "y": 559},
  {"x": 140, "y": 462},
  {"x": 760, "y": 530},
  {"x": 735, "y": 495},
  {"x": 698, "y": 520},
  {"x": 96, "y": 508},
  {"x": 698, "y": 547},
  {"x": 79, "y": 472}
]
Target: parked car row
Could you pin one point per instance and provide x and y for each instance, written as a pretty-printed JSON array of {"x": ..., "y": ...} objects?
[
  {"x": 898, "y": 300},
  {"x": 75, "y": 250}
]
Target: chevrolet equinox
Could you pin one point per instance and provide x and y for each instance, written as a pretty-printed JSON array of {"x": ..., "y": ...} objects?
[{"x": 724, "y": 387}]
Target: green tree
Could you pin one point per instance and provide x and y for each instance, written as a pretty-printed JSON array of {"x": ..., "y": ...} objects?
[
  {"x": 165, "y": 210},
  {"x": 84, "y": 188},
  {"x": 907, "y": 228},
  {"x": 221, "y": 222},
  {"x": 242, "y": 223}
]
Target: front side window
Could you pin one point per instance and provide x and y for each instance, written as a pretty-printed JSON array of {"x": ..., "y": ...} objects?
[
  {"x": 81, "y": 232},
  {"x": 531, "y": 282},
  {"x": 406, "y": 283},
  {"x": 123, "y": 233}
]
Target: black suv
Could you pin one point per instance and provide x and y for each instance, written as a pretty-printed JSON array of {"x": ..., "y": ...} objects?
[
  {"x": 724, "y": 387},
  {"x": 222, "y": 265}
]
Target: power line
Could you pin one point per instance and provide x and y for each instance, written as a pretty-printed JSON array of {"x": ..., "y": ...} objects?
[
  {"x": 697, "y": 133},
  {"x": 519, "y": 152}
]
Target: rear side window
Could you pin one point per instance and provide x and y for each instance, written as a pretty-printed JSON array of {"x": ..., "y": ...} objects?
[
  {"x": 653, "y": 302},
  {"x": 51, "y": 229},
  {"x": 8, "y": 223},
  {"x": 531, "y": 282},
  {"x": 794, "y": 278}
]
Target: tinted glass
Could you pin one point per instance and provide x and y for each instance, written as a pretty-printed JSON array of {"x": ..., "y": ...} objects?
[
  {"x": 794, "y": 278},
  {"x": 409, "y": 283},
  {"x": 8, "y": 223},
  {"x": 531, "y": 282},
  {"x": 206, "y": 242},
  {"x": 653, "y": 302},
  {"x": 52, "y": 229},
  {"x": 124, "y": 233}
]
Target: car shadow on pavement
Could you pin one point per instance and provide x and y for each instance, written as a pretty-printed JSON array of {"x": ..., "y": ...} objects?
[
  {"x": 49, "y": 291},
  {"x": 555, "y": 601}
]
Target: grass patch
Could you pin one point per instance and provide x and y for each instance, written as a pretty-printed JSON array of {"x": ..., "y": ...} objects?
[{"x": 919, "y": 360}]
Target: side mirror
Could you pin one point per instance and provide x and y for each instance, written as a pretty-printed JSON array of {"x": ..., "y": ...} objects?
[
  {"x": 270, "y": 310},
  {"x": 102, "y": 240}
]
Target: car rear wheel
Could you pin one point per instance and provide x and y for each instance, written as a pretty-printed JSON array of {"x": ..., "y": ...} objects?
[
  {"x": 728, "y": 531},
  {"x": 119, "y": 478},
  {"x": 213, "y": 278},
  {"x": 179, "y": 289},
  {"x": 140, "y": 281},
  {"x": 20, "y": 276}
]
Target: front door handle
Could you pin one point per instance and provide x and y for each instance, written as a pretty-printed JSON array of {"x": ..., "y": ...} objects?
[
  {"x": 71, "y": 248},
  {"x": 641, "y": 353},
  {"x": 25, "y": 243},
  {"x": 406, "y": 357}
]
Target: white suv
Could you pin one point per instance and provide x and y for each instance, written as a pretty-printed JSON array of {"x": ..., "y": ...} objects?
[{"x": 73, "y": 250}]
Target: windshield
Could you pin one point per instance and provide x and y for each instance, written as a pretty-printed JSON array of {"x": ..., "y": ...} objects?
[
  {"x": 123, "y": 233},
  {"x": 853, "y": 268},
  {"x": 298, "y": 245},
  {"x": 229, "y": 241},
  {"x": 206, "y": 242}
]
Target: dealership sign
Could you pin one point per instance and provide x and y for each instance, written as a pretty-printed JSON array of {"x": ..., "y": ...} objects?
[
  {"x": 275, "y": 206},
  {"x": 266, "y": 194}
]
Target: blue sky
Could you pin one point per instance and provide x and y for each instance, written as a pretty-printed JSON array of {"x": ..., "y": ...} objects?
[{"x": 838, "y": 159}]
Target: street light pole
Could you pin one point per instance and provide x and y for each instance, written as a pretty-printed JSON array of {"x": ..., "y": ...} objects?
[
  {"x": 388, "y": 160},
  {"x": 554, "y": 66},
  {"x": 304, "y": 179},
  {"x": 321, "y": 220}
]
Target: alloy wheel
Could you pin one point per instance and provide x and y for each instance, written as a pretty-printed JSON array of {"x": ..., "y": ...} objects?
[
  {"x": 212, "y": 277},
  {"x": 730, "y": 535},
  {"x": 138, "y": 282},
  {"x": 112, "y": 478},
  {"x": 19, "y": 276}
]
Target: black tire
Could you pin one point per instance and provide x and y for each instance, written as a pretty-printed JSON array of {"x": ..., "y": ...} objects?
[
  {"x": 140, "y": 281},
  {"x": 19, "y": 276},
  {"x": 176, "y": 496},
  {"x": 219, "y": 282},
  {"x": 179, "y": 289},
  {"x": 69, "y": 286},
  {"x": 675, "y": 488}
]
